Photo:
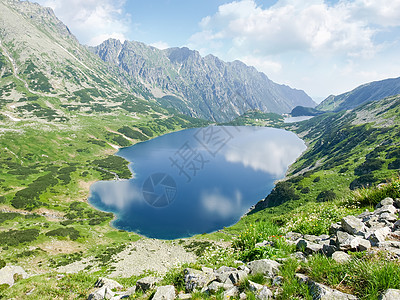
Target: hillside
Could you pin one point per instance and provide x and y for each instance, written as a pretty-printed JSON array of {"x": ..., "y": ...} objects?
[
  {"x": 203, "y": 87},
  {"x": 372, "y": 91}
]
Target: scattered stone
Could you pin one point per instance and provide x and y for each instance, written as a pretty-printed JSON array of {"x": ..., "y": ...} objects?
[
  {"x": 233, "y": 292},
  {"x": 111, "y": 284},
  {"x": 341, "y": 257},
  {"x": 242, "y": 296},
  {"x": 147, "y": 283},
  {"x": 396, "y": 203},
  {"x": 311, "y": 238},
  {"x": 328, "y": 250},
  {"x": 343, "y": 240},
  {"x": 322, "y": 292},
  {"x": 264, "y": 244},
  {"x": 352, "y": 225},
  {"x": 264, "y": 266},
  {"x": 166, "y": 292},
  {"x": 278, "y": 280},
  {"x": 378, "y": 236},
  {"x": 386, "y": 201},
  {"x": 195, "y": 279},
  {"x": 102, "y": 293},
  {"x": 386, "y": 209},
  {"x": 260, "y": 291},
  {"x": 390, "y": 294},
  {"x": 308, "y": 247},
  {"x": 335, "y": 227},
  {"x": 293, "y": 236},
  {"x": 299, "y": 256},
  {"x": 185, "y": 296}
]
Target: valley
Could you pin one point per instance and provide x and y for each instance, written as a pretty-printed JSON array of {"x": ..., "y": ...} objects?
[{"x": 65, "y": 110}]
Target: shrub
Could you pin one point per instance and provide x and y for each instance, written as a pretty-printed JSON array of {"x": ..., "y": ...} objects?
[
  {"x": 305, "y": 190},
  {"x": 317, "y": 179},
  {"x": 64, "y": 232},
  {"x": 362, "y": 181},
  {"x": 368, "y": 166},
  {"x": 16, "y": 237},
  {"x": 2, "y": 264},
  {"x": 327, "y": 195}
]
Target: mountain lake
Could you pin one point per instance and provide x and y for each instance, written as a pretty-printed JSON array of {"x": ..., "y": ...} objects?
[{"x": 196, "y": 181}]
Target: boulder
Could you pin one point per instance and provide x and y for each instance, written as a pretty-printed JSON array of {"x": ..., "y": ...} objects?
[
  {"x": 260, "y": 291},
  {"x": 308, "y": 247},
  {"x": 299, "y": 256},
  {"x": 335, "y": 227},
  {"x": 311, "y": 238},
  {"x": 385, "y": 209},
  {"x": 359, "y": 244},
  {"x": 102, "y": 293},
  {"x": 396, "y": 203},
  {"x": 111, "y": 284},
  {"x": 353, "y": 225},
  {"x": 166, "y": 292},
  {"x": 378, "y": 236},
  {"x": 343, "y": 240},
  {"x": 184, "y": 296},
  {"x": 386, "y": 201},
  {"x": 215, "y": 286},
  {"x": 7, "y": 274},
  {"x": 322, "y": 292},
  {"x": 264, "y": 266},
  {"x": 389, "y": 217},
  {"x": 264, "y": 244},
  {"x": 147, "y": 283},
  {"x": 328, "y": 250},
  {"x": 390, "y": 294},
  {"x": 341, "y": 257},
  {"x": 232, "y": 292},
  {"x": 195, "y": 279},
  {"x": 293, "y": 236}
]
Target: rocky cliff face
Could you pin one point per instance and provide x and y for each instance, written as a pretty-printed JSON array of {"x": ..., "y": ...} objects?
[{"x": 205, "y": 87}]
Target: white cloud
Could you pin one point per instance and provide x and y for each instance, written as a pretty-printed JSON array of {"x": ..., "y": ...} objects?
[
  {"x": 92, "y": 21},
  {"x": 160, "y": 45},
  {"x": 299, "y": 42}
]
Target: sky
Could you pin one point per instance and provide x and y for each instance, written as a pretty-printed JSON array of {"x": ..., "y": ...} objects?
[{"x": 321, "y": 47}]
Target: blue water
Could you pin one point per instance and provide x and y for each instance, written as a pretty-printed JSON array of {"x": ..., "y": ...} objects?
[{"x": 196, "y": 180}]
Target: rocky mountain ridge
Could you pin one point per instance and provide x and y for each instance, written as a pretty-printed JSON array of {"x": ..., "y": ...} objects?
[
  {"x": 372, "y": 91},
  {"x": 204, "y": 87}
]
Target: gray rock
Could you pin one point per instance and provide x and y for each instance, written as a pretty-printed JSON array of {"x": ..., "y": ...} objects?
[
  {"x": 215, "y": 286},
  {"x": 8, "y": 272},
  {"x": 207, "y": 270},
  {"x": 264, "y": 266},
  {"x": 166, "y": 292},
  {"x": 328, "y": 250},
  {"x": 390, "y": 294},
  {"x": 385, "y": 209},
  {"x": 360, "y": 244},
  {"x": 343, "y": 240},
  {"x": 111, "y": 284},
  {"x": 224, "y": 269},
  {"x": 388, "y": 217},
  {"x": 311, "y": 238},
  {"x": 335, "y": 227},
  {"x": 397, "y": 224},
  {"x": 299, "y": 256},
  {"x": 102, "y": 293},
  {"x": 396, "y": 203},
  {"x": 244, "y": 268},
  {"x": 352, "y": 225},
  {"x": 233, "y": 292},
  {"x": 195, "y": 279},
  {"x": 386, "y": 201},
  {"x": 341, "y": 257},
  {"x": 242, "y": 296},
  {"x": 293, "y": 236},
  {"x": 184, "y": 296},
  {"x": 260, "y": 291},
  {"x": 264, "y": 244},
  {"x": 322, "y": 292},
  {"x": 147, "y": 283},
  {"x": 308, "y": 247},
  {"x": 236, "y": 276},
  {"x": 378, "y": 236}
]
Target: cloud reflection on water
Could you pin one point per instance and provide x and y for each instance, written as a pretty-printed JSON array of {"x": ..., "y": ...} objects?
[
  {"x": 214, "y": 202},
  {"x": 272, "y": 156}
]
